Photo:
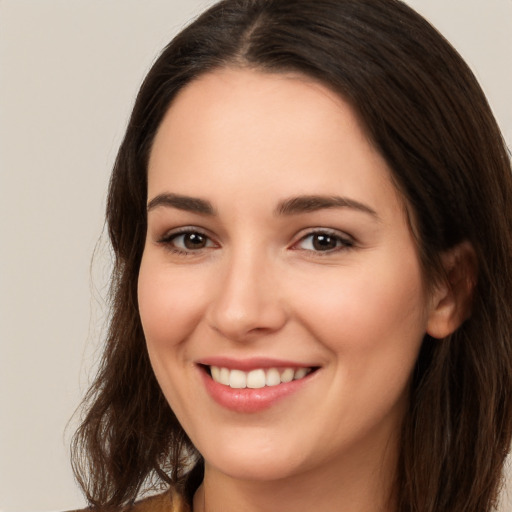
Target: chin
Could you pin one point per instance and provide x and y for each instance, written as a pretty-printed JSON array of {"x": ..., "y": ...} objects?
[
  {"x": 253, "y": 465},
  {"x": 256, "y": 471}
]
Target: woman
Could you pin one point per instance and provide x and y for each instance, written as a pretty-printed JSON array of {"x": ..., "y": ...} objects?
[{"x": 311, "y": 216}]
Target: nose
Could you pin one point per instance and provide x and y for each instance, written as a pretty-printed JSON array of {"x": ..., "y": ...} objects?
[{"x": 248, "y": 301}]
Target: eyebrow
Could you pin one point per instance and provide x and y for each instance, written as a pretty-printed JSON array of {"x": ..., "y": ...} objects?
[
  {"x": 186, "y": 203},
  {"x": 311, "y": 203},
  {"x": 292, "y": 206}
]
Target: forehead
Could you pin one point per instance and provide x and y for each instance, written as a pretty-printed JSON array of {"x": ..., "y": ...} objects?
[
  {"x": 284, "y": 132},
  {"x": 243, "y": 100}
]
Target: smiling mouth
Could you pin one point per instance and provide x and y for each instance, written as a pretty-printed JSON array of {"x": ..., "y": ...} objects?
[{"x": 257, "y": 378}]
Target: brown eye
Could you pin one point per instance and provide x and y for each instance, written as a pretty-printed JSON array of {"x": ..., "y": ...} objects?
[
  {"x": 187, "y": 242},
  {"x": 194, "y": 241},
  {"x": 324, "y": 242}
]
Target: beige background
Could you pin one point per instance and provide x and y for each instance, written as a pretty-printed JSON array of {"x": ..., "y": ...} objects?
[{"x": 69, "y": 70}]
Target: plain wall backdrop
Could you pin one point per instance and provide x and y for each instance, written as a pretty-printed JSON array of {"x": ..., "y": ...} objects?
[{"x": 69, "y": 72}]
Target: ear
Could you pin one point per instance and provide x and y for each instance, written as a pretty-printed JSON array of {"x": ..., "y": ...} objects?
[{"x": 452, "y": 297}]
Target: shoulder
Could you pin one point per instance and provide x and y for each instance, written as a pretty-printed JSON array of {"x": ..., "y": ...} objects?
[{"x": 169, "y": 501}]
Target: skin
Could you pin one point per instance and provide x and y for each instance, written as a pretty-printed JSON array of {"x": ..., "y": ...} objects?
[{"x": 246, "y": 141}]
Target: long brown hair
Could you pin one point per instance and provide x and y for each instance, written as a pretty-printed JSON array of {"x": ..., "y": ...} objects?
[{"x": 426, "y": 114}]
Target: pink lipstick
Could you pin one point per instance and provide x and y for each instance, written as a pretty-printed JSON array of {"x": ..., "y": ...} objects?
[{"x": 252, "y": 385}]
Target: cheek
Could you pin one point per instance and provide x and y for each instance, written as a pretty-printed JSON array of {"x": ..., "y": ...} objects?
[
  {"x": 170, "y": 307},
  {"x": 371, "y": 308},
  {"x": 169, "y": 304},
  {"x": 373, "y": 322}
]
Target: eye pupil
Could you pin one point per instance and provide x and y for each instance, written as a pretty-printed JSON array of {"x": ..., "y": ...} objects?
[
  {"x": 322, "y": 242},
  {"x": 194, "y": 241}
]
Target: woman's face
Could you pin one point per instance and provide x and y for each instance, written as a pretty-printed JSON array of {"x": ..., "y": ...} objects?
[{"x": 277, "y": 249}]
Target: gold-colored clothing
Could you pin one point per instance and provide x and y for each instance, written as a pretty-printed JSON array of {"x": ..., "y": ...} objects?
[{"x": 167, "y": 502}]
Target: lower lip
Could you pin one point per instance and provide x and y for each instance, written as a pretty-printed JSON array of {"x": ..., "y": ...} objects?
[{"x": 249, "y": 400}]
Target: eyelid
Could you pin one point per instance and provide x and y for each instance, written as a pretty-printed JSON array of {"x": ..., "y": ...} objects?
[
  {"x": 347, "y": 241},
  {"x": 170, "y": 235}
]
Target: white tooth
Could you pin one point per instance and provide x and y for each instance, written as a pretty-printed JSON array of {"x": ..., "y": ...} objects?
[
  {"x": 300, "y": 373},
  {"x": 215, "y": 373},
  {"x": 224, "y": 376},
  {"x": 287, "y": 375},
  {"x": 256, "y": 379},
  {"x": 237, "y": 379},
  {"x": 273, "y": 378}
]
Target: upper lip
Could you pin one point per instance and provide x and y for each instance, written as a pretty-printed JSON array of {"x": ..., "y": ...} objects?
[{"x": 252, "y": 363}]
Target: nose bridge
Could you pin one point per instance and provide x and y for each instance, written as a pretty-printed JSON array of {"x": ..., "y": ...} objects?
[{"x": 247, "y": 299}]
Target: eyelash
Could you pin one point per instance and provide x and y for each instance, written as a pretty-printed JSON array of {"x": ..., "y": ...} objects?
[
  {"x": 343, "y": 243},
  {"x": 168, "y": 240}
]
